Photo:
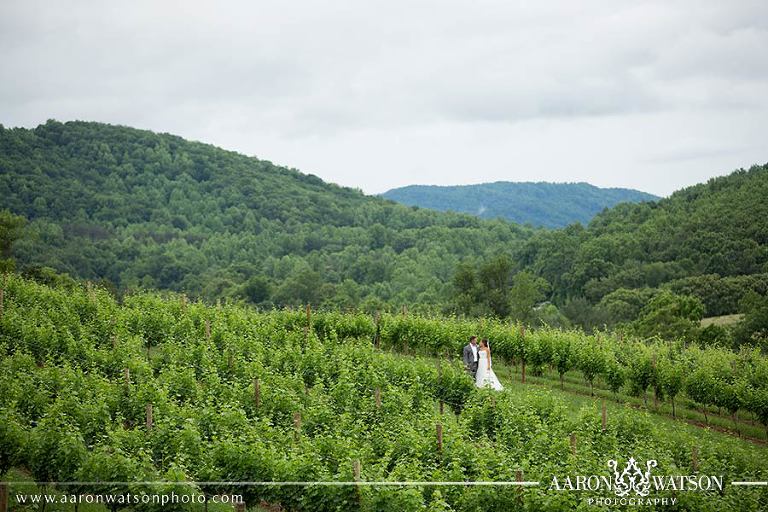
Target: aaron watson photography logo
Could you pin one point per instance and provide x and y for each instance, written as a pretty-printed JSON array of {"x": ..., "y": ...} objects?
[{"x": 634, "y": 484}]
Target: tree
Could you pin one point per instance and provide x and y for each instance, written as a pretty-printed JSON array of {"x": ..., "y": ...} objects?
[
  {"x": 466, "y": 290},
  {"x": 563, "y": 357},
  {"x": 591, "y": 362},
  {"x": 671, "y": 374},
  {"x": 494, "y": 278},
  {"x": 753, "y": 329},
  {"x": 11, "y": 227},
  {"x": 303, "y": 287},
  {"x": 257, "y": 290},
  {"x": 615, "y": 375},
  {"x": 527, "y": 291},
  {"x": 670, "y": 316},
  {"x": 640, "y": 374},
  {"x": 625, "y": 305}
]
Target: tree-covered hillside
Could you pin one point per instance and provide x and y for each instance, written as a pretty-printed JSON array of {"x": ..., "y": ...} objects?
[
  {"x": 551, "y": 205},
  {"x": 141, "y": 209},
  {"x": 709, "y": 241}
]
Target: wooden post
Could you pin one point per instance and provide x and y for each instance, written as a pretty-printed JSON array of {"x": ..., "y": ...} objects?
[
  {"x": 2, "y": 298},
  {"x": 442, "y": 407},
  {"x": 439, "y": 427},
  {"x": 256, "y": 392},
  {"x": 114, "y": 342},
  {"x": 573, "y": 444},
  {"x": 127, "y": 376},
  {"x": 4, "y": 497},
  {"x": 297, "y": 423},
  {"x": 522, "y": 359},
  {"x": 149, "y": 417},
  {"x": 605, "y": 417},
  {"x": 356, "y": 469},
  {"x": 207, "y": 329},
  {"x": 695, "y": 458},
  {"x": 519, "y": 480},
  {"x": 377, "y": 396},
  {"x": 230, "y": 360},
  {"x": 377, "y": 336},
  {"x": 405, "y": 310},
  {"x": 240, "y": 506},
  {"x": 440, "y": 379}
]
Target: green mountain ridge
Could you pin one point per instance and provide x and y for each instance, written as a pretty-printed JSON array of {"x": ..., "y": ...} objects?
[
  {"x": 709, "y": 240},
  {"x": 149, "y": 210},
  {"x": 551, "y": 205}
]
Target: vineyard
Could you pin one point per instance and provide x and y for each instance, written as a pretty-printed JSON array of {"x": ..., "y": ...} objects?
[{"x": 161, "y": 389}]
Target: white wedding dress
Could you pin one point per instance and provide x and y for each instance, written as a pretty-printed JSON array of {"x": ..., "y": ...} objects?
[{"x": 485, "y": 376}]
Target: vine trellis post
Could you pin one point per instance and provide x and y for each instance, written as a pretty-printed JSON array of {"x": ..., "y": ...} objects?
[
  {"x": 522, "y": 358},
  {"x": 695, "y": 458},
  {"x": 4, "y": 497},
  {"x": 605, "y": 417}
]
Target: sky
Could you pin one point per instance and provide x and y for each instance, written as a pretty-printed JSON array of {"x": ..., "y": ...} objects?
[{"x": 380, "y": 94}]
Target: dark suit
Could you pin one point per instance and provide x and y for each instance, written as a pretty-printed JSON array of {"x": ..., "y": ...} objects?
[{"x": 470, "y": 363}]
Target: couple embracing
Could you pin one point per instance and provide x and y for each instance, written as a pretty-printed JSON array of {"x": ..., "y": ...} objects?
[{"x": 477, "y": 361}]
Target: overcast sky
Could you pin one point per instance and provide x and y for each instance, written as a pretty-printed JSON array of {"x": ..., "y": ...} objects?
[{"x": 380, "y": 94}]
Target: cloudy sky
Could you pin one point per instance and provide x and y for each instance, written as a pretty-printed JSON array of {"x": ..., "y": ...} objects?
[{"x": 380, "y": 94}]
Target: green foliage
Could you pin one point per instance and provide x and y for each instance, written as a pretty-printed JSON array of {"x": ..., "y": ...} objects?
[
  {"x": 145, "y": 210},
  {"x": 707, "y": 241},
  {"x": 753, "y": 329},
  {"x": 10, "y": 230},
  {"x": 670, "y": 316},
  {"x": 625, "y": 305},
  {"x": 11, "y": 227},
  {"x": 68, "y": 412},
  {"x": 527, "y": 291},
  {"x": 133, "y": 209}
]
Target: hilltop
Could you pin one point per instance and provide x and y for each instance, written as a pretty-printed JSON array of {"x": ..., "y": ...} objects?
[{"x": 146, "y": 210}]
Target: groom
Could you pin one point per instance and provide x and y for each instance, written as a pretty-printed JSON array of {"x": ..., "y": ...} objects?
[{"x": 470, "y": 356}]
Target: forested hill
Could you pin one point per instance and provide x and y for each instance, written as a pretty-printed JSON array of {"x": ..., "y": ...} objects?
[
  {"x": 709, "y": 240},
  {"x": 539, "y": 204},
  {"x": 141, "y": 209}
]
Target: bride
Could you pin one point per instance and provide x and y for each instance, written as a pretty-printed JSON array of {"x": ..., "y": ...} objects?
[{"x": 485, "y": 376}]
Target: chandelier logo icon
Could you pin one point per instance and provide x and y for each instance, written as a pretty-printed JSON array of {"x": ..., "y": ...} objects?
[{"x": 632, "y": 477}]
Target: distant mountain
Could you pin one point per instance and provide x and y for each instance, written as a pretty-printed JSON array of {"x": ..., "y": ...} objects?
[{"x": 551, "y": 205}]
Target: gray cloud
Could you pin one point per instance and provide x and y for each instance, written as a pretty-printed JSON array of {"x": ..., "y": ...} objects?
[{"x": 382, "y": 94}]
